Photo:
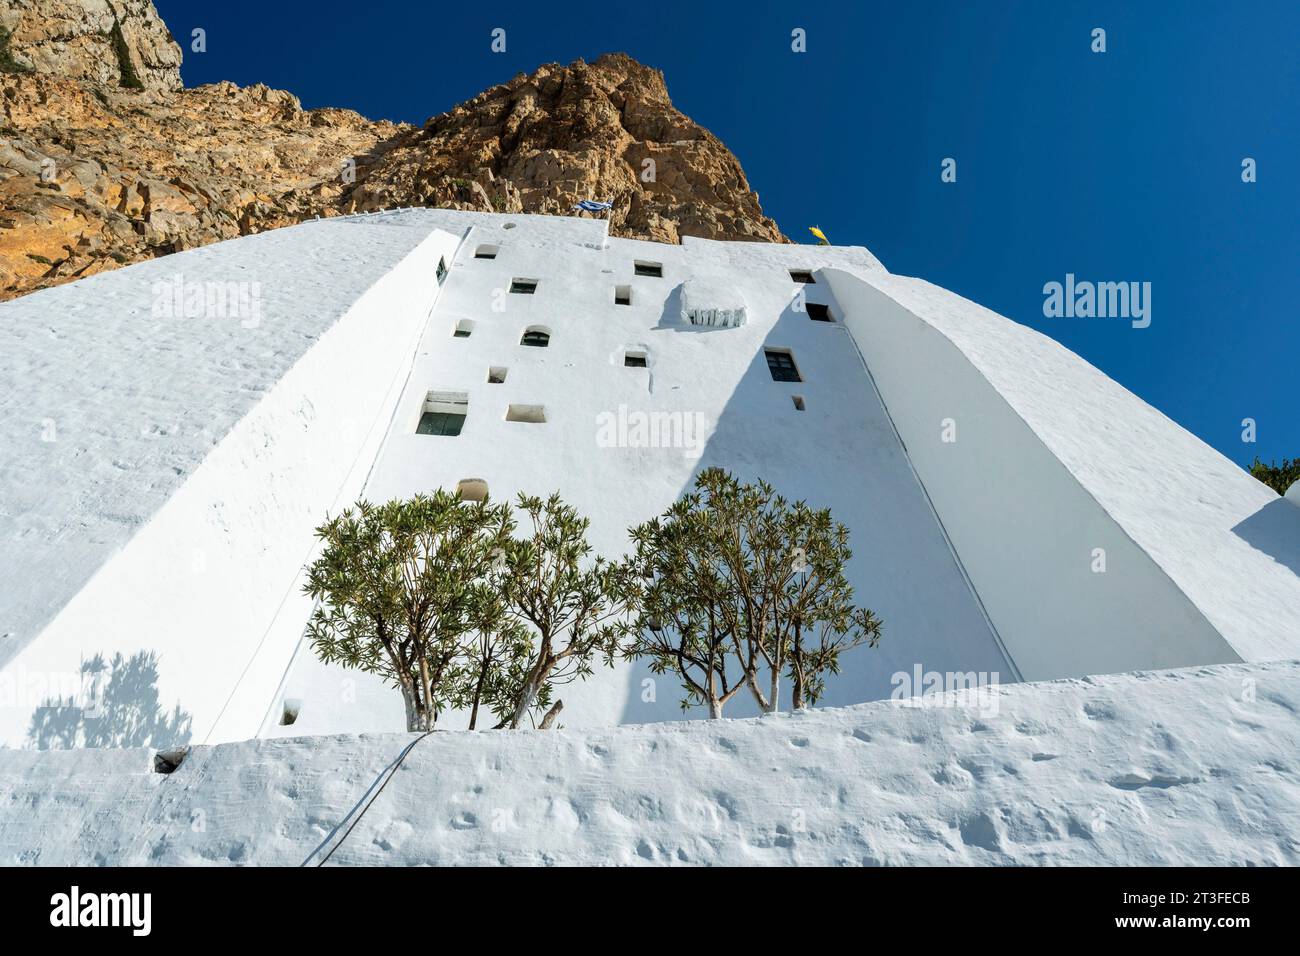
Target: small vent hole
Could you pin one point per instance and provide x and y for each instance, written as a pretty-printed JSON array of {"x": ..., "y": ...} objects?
[
  {"x": 289, "y": 712},
  {"x": 167, "y": 761}
]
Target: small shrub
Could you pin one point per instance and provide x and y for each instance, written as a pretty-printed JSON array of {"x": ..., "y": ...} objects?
[
  {"x": 1278, "y": 477},
  {"x": 738, "y": 587},
  {"x": 7, "y": 62},
  {"x": 403, "y": 588},
  {"x": 574, "y": 606}
]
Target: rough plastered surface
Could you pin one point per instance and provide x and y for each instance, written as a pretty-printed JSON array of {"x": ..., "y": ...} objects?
[
  {"x": 1228, "y": 541},
  {"x": 1177, "y": 767},
  {"x": 109, "y": 409}
]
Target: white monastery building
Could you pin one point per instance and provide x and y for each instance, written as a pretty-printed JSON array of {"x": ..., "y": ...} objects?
[{"x": 175, "y": 431}]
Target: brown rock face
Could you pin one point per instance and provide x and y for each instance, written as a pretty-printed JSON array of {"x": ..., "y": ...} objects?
[
  {"x": 114, "y": 42},
  {"x": 604, "y": 131},
  {"x": 92, "y": 177},
  {"x": 105, "y": 160}
]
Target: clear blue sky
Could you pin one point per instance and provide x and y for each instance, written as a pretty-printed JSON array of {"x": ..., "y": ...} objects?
[{"x": 1122, "y": 166}]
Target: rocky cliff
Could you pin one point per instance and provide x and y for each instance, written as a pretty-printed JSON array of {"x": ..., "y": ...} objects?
[
  {"x": 114, "y": 42},
  {"x": 605, "y": 130},
  {"x": 105, "y": 159}
]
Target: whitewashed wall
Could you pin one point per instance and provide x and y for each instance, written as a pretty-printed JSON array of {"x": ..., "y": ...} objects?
[
  {"x": 838, "y": 453},
  {"x": 211, "y": 584},
  {"x": 1023, "y": 526},
  {"x": 1149, "y": 769}
]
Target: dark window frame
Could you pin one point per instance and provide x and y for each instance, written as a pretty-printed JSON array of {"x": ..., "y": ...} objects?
[{"x": 781, "y": 365}]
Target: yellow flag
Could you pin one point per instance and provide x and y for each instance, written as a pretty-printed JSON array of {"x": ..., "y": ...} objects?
[{"x": 816, "y": 231}]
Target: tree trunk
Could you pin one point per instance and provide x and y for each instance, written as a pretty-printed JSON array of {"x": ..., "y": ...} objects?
[
  {"x": 751, "y": 681},
  {"x": 426, "y": 686},
  {"x": 551, "y": 715},
  {"x": 715, "y": 709},
  {"x": 478, "y": 693},
  {"x": 416, "y": 718},
  {"x": 532, "y": 687},
  {"x": 797, "y": 676}
]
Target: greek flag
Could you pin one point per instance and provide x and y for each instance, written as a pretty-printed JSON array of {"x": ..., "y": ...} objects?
[{"x": 590, "y": 205}]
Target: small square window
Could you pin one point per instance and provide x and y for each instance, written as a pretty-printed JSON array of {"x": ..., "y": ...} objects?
[
  {"x": 818, "y": 312},
  {"x": 534, "y": 414},
  {"x": 802, "y": 275},
  {"x": 443, "y": 413},
  {"x": 497, "y": 375},
  {"x": 463, "y": 329},
  {"x": 781, "y": 364},
  {"x": 634, "y": 359},
  {"x": 798, "y": 402},
  {"x": 447, "y": 424},
  {"x": 622, "y": 295},
  {"x": 654, "y": 270},
  {"x": 523, "y": 286},
  {"x": 442, "y": 270},
  {"x": 486, "y": 252}
]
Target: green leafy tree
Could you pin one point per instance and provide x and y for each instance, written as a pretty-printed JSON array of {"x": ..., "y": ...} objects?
[
  {"x": 685, "y": 623},
  {"x": 492, "y": 671},
  {"x": 1278, "y": 477},
  {"x": 816, "y": 618},
  {"x": 741, "y": 587},
  {"x": 405, "y": 588},
  {"x": 573, "y": 605}
]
